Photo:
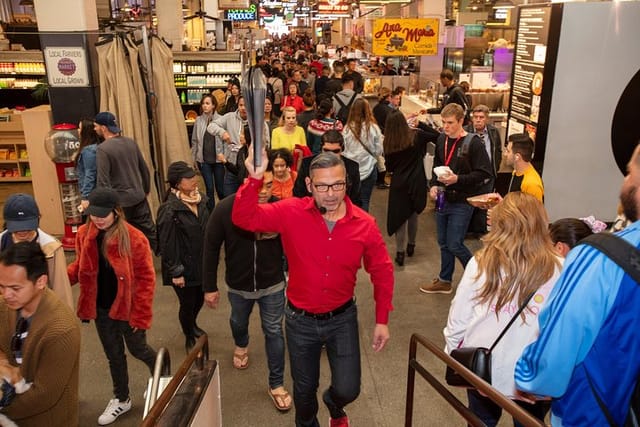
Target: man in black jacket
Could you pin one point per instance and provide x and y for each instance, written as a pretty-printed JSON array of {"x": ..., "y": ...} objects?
[
  {"x": 493, "y": 145},
  {"x": 469, "y": 166},
  {"x": 332, "y": 141},
  {"x": 254, "y": 274},
  {"x": 454, "y": 94}
]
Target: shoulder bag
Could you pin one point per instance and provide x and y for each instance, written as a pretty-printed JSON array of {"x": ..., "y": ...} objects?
[{"x": 478, "y": 359}]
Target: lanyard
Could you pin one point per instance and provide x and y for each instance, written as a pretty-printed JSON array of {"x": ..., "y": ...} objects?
[{"x": 448, "y": 156}]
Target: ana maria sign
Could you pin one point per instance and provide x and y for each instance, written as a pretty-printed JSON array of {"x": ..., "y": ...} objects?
[{"x": 250, "y": 14}]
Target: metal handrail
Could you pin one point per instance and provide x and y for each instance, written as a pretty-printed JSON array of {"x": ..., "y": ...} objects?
[
  {"x": 482, "y": 386},
  {"x": 161, "y": 368},
  {"x": 199, "y": 354}
]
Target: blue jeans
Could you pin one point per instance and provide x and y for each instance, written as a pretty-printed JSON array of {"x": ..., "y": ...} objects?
[
  {"x": 231, "y": 183},
  {"x": 366, "y": 188},
  {"x": 452, "y": 223},
  {"x": 490, "y": 413},
  {"x": 271, "y": 312},
  {"x": 213, "y": 177},
  {"x": 305, "y": 338}
]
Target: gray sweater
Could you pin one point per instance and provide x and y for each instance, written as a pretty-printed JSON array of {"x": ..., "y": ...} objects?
[{"x": 122, "y": 168}]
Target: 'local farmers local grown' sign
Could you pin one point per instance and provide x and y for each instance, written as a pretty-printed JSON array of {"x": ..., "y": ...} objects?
[
  {"x": 400, "y": 37},
  {"x": 66, "y": 66}
]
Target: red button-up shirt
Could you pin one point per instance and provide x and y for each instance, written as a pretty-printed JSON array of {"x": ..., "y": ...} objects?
[{"x": 322, "y": 264}]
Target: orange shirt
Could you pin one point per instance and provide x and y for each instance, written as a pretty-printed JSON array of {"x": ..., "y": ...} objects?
[{"x": 284, "y": 189}]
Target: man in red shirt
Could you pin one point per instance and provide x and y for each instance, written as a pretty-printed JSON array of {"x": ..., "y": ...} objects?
[{"x": 326, "y": 238}]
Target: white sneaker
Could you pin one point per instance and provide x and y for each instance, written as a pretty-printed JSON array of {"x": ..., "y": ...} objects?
[{"x": 114, "y": 409}]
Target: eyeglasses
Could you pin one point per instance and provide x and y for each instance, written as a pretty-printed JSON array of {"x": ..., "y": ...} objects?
[
  {"x": 18, "y": 338},
  {"x": 334, "y": 151},
  {"x": 336, "y": 186}
]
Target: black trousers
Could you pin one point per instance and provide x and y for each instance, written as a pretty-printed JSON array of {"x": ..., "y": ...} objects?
[
  {"x": 140, "y": 217},
  {"x": 191, "y": 300},
  {"x": 113, "y": 335}
]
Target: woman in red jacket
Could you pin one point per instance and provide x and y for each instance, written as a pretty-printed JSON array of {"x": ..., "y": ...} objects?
[
  {"x": 117, "y": 280},
  {"x": 293, "y": 99}
]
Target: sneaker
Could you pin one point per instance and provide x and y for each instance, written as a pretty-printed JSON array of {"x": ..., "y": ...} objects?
[
  {"x": 339, "y": 422},
  {"x": 436, "y": 286},
  {"x": 114, "y": 409}
]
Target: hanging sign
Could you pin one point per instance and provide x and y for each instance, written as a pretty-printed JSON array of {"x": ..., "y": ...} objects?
[
  {"x": 66, "y": 66},
  {"x": 333, "y": 7},
  {"x": 250, "y": 14},
  {"x": 394, "y": 37}
]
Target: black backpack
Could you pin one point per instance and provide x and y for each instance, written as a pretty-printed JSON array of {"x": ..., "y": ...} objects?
[
  {"x": 627, "y": 257},
  {"x": 343, "y": 113}
]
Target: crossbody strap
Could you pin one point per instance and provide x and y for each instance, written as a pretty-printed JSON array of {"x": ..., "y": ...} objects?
[
  {"x": 627, "y": 257},
  {"x": 513, "y": 319}
]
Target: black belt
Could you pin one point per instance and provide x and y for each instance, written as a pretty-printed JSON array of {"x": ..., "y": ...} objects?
[{"x": 322, "y": 316}]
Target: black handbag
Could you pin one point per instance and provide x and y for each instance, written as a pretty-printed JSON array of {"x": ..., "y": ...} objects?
[{"x": 477, "y": 359}]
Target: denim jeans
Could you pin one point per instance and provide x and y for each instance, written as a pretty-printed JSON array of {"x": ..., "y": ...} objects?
[
  {"x": 490, "y": 413},
  {"x": 452, "y": 223},
  {"x": 213, "y": 177},
  {"x": 305, "y": 338},
  {"x": 113, "y": 334},
  {"x": 366, "y": 188},
  {"x": 231, "y": 183},
  {"x": 271, "y": 312},
  {"x": 191, "y": 300}
]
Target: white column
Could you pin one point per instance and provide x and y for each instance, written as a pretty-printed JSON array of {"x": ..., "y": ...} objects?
[
  {"x": 170, "y": 26},
  {"x": 66, "y": 15}
]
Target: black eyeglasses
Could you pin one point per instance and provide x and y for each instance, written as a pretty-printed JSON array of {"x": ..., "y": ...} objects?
[
  {"x": 335, "y": 151},
  {"x": 18, "y": 338},
  {"x": 336, "y": 186}
]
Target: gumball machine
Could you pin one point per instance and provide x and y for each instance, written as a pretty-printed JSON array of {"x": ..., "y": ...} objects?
[{"x": 62, "y": 144}]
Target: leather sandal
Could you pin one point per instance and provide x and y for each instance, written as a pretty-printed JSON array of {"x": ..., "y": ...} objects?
[
  {"x": 280, "y": 397},
  {"x": 240, "y": 359}
]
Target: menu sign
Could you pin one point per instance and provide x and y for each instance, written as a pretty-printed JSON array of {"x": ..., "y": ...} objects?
[
  {"x": 394, "y": 37},
  {"x": 528, "y": 75},
  {"x": 537, "y": 41}
]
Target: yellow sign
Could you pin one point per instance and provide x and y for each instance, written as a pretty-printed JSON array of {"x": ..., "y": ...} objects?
[{"x": 400, "y": 37}]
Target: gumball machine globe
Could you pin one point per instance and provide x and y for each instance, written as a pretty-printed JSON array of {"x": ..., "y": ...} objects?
[{"x": 62, "y": 144}]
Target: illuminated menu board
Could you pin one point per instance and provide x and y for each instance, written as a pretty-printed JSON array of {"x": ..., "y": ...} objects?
[{"x": 533, "y": 72}]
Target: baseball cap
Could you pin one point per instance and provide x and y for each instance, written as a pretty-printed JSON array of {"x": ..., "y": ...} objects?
[
  {"x": 177, "y": 171},
  {"x": 105, "y": 118},
  {"x": 102, "y": 201},
  {"x": 21, "y": 213}
]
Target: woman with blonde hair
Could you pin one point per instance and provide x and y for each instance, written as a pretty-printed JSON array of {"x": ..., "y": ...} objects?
[
  {"x": 516, "y": 266},
  {"x": 290, "y": 136},
  {"x": 363, "y": 144}
]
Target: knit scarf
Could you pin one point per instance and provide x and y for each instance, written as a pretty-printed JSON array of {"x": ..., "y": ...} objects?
[{"x": 190, "y": 200}]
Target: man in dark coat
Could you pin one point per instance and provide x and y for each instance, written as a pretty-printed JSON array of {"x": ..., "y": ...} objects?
[
  {"x": 332, "y": 141},
  {"x": 493, "y": 145},
  {"x": 454, "y": 94}
]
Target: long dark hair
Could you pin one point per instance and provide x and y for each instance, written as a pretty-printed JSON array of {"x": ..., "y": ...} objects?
[
  {"x": 397, "y": 134},
  {"x": 88, "y": 135}
]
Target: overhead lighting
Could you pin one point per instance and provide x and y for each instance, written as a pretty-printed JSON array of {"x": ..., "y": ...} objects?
[{"x": 503, "y": 4}]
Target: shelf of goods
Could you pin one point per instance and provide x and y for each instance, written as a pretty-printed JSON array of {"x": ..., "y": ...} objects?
[
  {"x": 14, "y": 158},
  {"x": 21, "y": 69},
  {"x": 197, "y": 73}
]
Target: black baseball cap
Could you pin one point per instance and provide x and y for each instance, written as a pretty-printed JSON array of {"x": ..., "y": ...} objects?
[
  {"x": 21, "y": 213},
  {"x": 102, "y": 201},
  {"x": 177, "y": 171},
  {"x": 105, "y": 118}
]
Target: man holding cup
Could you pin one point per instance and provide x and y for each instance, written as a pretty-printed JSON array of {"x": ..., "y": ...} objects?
[{"x": 469, "y": 166}]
